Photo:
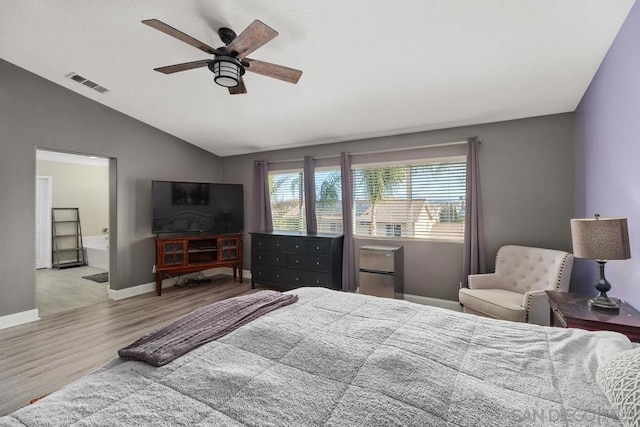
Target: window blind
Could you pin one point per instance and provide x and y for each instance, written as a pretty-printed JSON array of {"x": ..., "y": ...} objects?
[
  {"x": 420, "y": 200},
  {"x": 328, "y": 200},
  {"x": 286, "y": 191}
]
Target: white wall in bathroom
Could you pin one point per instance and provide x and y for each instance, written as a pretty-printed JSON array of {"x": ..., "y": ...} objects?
[{"x": 80, "y": 186}]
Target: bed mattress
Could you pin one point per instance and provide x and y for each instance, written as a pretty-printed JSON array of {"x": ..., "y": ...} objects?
[{"x": 340, "y": 359}]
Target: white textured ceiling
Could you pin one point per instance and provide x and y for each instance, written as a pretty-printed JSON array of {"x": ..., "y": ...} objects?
[{"x": 371, "y": 67}]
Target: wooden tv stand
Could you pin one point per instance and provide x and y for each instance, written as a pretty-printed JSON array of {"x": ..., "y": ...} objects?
[{"x": 188, "y": 254}]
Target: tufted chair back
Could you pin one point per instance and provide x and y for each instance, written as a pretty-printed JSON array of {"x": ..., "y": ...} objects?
[{"x": 522, "y": 269}]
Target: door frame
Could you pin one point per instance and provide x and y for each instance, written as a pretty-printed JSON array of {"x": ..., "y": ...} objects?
[
  {"x": 47, "y": 225},
  {"x": 113, "y": 212}
]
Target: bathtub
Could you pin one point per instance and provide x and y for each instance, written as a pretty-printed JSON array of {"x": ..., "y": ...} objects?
[{"x": 97, "y": 250}]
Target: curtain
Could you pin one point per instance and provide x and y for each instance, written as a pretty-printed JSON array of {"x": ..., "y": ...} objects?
[
  {"x": 261, "y": 220},
  {"x": 348, "y": 254},
  {"x": 310, "y": 195},
  {"x": 474, "y": 257}
]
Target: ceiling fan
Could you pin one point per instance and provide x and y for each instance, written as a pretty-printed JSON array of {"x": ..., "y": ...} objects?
[{"x": 230, "y": 62}]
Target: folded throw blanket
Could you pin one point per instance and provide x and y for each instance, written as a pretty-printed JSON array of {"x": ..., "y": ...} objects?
[{"x": 203, "y": 325}]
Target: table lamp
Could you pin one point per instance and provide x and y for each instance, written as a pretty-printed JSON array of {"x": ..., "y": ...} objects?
[{"x": 602, "y": 239}]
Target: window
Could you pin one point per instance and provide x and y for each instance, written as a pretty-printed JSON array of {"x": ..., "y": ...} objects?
[
  {"x": 393, "y": 230},
  {"x": 286, "y": 191},
  {"x": 328, "y": 200},
  {"x": 420, "y": 200},
  {"x": 414, "y": 199}
]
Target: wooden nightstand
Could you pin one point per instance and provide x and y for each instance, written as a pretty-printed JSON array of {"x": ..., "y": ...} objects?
[{"x": 572, "y": 311}]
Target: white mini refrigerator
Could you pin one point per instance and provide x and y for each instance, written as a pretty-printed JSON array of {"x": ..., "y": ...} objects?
[{"x": 381, "y": 271}]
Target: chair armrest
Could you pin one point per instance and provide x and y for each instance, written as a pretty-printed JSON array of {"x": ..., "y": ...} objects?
[
  {"x": 484, "y": 281},
  {"x": 536, "y": 304}
]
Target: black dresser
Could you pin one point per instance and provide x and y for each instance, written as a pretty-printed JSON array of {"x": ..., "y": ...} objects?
[{"x": 293, "y": 259}]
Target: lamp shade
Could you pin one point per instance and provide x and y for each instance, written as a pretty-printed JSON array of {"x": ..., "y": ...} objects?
[{"x": 600, "y": 238}]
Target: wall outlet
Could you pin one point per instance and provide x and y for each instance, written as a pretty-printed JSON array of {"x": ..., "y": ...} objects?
[{"x": 153, "y": 269}]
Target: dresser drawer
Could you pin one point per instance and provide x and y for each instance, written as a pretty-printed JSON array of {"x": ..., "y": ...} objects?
[
  {"x": 296, "y": 278},
  {"x": 270, "y": 244},
  {"x": 308, "y": 262},
  {"x": 268, "y": 258},
  {"x": 278, "y": 275},
  {"x": 295, "y": 246},
  {"x": 281, "y": 276},
  {"x": 291, "y": 278},
  {"x": 317, "y": 279},
  {"x": 260, "y": 242},
  {"x": 318, "y": 247},
  {"x": 263, "y": 273}
]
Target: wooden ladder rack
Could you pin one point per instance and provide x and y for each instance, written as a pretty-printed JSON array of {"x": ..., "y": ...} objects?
[{"x": 67, "y": 249}]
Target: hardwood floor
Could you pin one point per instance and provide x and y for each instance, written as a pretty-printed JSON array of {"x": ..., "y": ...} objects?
[
  {"x": 65, "y": 289},
  {"x": 40, "y": 357}
]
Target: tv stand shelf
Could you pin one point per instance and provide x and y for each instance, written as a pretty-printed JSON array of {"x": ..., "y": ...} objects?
[{"x": 189, "y": 254}]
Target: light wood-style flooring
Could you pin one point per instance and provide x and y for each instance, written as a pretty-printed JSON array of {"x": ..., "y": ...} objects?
[
  {"x": 40, "y": 357},
  {"x": 65, "y": 289}
]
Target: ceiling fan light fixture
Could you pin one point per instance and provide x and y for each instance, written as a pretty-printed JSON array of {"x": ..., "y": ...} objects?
[
  {"x": 229, "y": 62},
  {"x": 227, "y": 71}
]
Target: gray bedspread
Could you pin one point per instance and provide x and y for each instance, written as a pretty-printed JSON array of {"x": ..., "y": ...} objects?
[{"x": 338, "y": 359}]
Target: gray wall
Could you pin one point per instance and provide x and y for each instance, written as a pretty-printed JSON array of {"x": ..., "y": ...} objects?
[
  {"x": 526, "y": 166},
  {"x": 527, "y": 173},
  {"x": 37, "y": 113}
]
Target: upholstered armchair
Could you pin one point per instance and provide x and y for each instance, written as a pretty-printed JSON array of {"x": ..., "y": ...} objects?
[{"x": 516, "y": 290}]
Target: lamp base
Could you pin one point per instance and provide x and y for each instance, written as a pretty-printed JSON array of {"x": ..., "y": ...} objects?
[{"x": 604, "y": 302}]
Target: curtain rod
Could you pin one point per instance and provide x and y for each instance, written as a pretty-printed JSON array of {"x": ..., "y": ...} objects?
[{"x": 362, "y": 153}]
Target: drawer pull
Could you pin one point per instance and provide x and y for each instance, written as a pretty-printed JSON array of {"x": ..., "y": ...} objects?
[
  {"x": 318, "y": 247},
  {"x": 297, "y": 246},
  {"x": 318, "y": 281},
  {"x": 297, "y": 261},
  {"x": 297, "y": 279},
  {"x": 278, "y": 276},
  {"x": 277, "y": 259},
  {"x": 317, "y": 262},
  {"x": 259, "y": 256},
  {"x": 278, "y": 244}
]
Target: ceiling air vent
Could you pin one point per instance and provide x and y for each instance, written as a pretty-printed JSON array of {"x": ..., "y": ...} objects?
[{"x": 95, "y": 86}]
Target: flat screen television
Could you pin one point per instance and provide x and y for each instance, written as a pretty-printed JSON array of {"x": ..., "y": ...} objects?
[{"x": 196, "y": 207}]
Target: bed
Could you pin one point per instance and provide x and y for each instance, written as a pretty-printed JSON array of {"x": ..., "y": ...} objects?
[{"x": 340, "y": 359}]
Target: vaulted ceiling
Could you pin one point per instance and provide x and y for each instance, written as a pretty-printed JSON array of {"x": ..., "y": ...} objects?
[{"x": 370, "y": 67}]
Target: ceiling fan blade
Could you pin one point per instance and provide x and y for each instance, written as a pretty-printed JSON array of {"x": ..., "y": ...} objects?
[
  {"x": 238, "y": 90},
  {"x": 169, "y": 30},
  {"x": 254, "y": 36},
  {"x": 280, "y": 72},
  {"x": 169, "y": 69}
]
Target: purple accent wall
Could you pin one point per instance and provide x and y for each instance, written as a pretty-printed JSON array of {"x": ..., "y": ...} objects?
[{"x": 607, "y": 150}]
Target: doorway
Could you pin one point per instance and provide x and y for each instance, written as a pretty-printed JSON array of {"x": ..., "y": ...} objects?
[{"x": 78, "y": 251}]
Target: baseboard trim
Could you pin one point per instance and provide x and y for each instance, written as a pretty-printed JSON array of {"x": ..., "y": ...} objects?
[
  {"x": 118, "y": 294},
  {"x": 436, "y": 302},
  {"x": 16, "y": 319}
]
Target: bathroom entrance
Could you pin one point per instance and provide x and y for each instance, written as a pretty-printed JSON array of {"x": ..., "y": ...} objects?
[{"x": 72, "y": 244}]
